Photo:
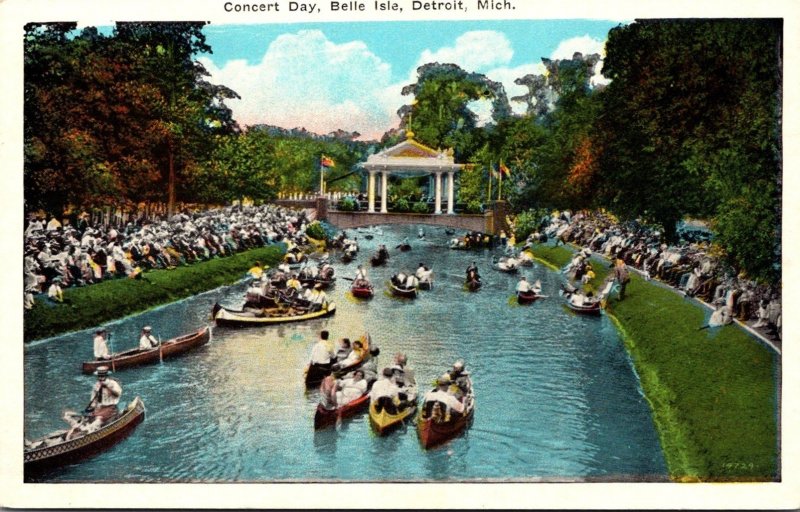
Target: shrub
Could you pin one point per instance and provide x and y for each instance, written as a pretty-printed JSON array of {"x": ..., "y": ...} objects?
[
  {"x": 316, "y": 231},
  {"x": 474, "y": 206},
  {"x": 401, "y": 205},
  {"x": 419, "y": 207},
  {"x": 347, "y": 204},
  {"x": 527, "y": 222}
]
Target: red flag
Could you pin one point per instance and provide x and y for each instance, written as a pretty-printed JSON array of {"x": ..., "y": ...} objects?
[
  {"x": 327, "y": 161},
  {"x": 505, "y": 170}
]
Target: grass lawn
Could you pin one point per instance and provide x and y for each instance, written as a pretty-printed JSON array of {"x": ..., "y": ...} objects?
[
  {"x": 93, "y": 305},
  {"x": 713, "y": 393}
]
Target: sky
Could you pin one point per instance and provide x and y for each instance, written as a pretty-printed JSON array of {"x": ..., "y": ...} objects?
[{"x": 328, "y": 76}]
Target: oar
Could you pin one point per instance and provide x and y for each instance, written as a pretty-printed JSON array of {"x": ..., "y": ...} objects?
[
  {"x": 160, "y": 351},
  {"x": 347, "y": 278},
  {"x": 111, "y": 349}
]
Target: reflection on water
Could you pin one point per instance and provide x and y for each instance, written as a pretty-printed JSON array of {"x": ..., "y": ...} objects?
[{"x": 556, "y": 395}]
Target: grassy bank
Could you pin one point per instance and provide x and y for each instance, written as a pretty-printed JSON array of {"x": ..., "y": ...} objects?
[
  {"x": 713, "y": 393},
  {"x": 93, "y": 305}
]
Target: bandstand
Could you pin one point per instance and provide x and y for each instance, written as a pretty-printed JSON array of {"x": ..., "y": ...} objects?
[{"x": 411, "y": 159}]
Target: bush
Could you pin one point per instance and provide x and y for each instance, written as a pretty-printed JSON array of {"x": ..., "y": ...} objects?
[
  {"x": 527, "y": 222},
  {"x": 401, "y": 205},
  {"x": 316, "y": 231},
  {"x": 474, "y": 206},
  {"x": 420, "y": 207},
  {"x": 347, "y": 204}
]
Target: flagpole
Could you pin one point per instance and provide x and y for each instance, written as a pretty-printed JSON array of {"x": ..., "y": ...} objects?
[{"x": 500, "y": 184}]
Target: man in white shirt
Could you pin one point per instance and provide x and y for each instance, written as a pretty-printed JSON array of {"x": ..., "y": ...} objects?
[
  {"x": 384, "y": 391},
  {"x": 440, "y": 394},
  {"x": 147, "y": 340},
  {"x": 321, "y": 353},
  {"x": 100, "y": 345},
  {"x": 105, "y": 396},
  {"x": 523, "y": 286}
]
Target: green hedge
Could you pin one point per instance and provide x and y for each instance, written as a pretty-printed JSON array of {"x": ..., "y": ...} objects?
[
  {"x": 93, "y": 305},
  {"x": 713, "y": 393}
]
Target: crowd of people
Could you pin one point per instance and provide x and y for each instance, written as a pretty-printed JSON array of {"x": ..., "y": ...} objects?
[
  {"x": 690, "y": 265},
  {"x": 61, "y": 255}
]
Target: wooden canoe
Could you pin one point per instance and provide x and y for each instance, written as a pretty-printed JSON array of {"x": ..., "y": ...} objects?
[
  {"x": 239, "y": 318},
  {"x": 139, "y": 356},
  {"x": 526, "y": 297},
  {"x": 44, "y": 458},
  {"x": 326, "y": 417},
  {"x": 587, "y": 309},
  {"x": 433, "y": 433},
  {"x": 315, "y": 373},
  {"x": 406, "y": 293},
  {"x": 362, "y": 292},
  {"x": 383, "y": 422}
]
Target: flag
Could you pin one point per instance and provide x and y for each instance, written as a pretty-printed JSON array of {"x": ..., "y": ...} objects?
[
  {"x": 505, "y": 171},
  {"x": 327, "y": 161}
]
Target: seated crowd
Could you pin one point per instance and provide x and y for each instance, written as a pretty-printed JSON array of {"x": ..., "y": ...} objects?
[
  {"x": 689, "y": 266},
  {"x": 59, "y": 256}
]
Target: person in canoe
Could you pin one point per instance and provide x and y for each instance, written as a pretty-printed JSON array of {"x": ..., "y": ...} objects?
[
  {"x": 441, "y": 395},
  {"x": 424, "y": 274},
  {"x": 357, "y": 354},
  {"x": 370, "y": 366},
  {"x": 383, "y": 253},
  {"x": 361, "y": 279},
  {"x": 147, "y": 340},
  {"x": 523, "y": 286},
  {"x": 459, "y": 377},
  {"x": 293, "y": 283},
  {"x": 411, "y": 281},
  {"x": 256, "y": 271},
  {"x": 537, "y": 287},
  {"x": 343, "y": 350},
  {"x": 401, "y": 369},
  {"x": 351, "y": 388},
  {"x": 327, "y": 392},
  {"x": 384, "y": 392},
  {"x": 105, "y": 397},
  {"x": 321, "y": 354},
  {"x": 101, "y": 345},
  {"x": 472, "y": 272},
  {"x": 317, "y": 298}
]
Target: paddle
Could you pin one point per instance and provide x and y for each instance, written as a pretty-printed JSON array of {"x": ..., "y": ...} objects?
[
  {"x": 347, "y": 278},
  {"x": 111, "y": 349},
  {"x": 160, "y": 351}
]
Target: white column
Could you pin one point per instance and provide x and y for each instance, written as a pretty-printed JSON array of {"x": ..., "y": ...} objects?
[
  {"x": 371, "y": 192},
  {"x": 384, "y": 181},
  {"x": 438, "y": 194},
  {"x": 450, "y": 203}
]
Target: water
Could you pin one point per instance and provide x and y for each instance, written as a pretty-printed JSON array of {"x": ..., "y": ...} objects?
[{"x": 557, "y": 397}]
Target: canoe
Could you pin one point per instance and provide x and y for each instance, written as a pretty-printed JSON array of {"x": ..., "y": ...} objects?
[
  {"x": 473, "y": 285},
  {"x": 44, "y": 458},
  {"x": 404, "y": 247},
  {"x": 362, "y": 292},
  {"x": 377, "y": 261},
  {"x": 512, "y": 270},
  {"x": 526, "y": 297},
  {"x": 383, "y": 422},
  {"x": 326, "y": 283},
  {"x": 138, "y": 356},
  {"x": 433, "y": 432},
  {"x": 326, "y": 417},
  {"x": 406, "y": 293},
  {"x": 589, "y": 309},
  {"x": 315, "y": 373},
  {"x": 239, "y": 318}
]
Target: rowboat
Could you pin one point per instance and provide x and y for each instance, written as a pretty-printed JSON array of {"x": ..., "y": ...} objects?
[
  {"x": 406, "y": 293},
  {"x": 473, "y": 284},
  {"x": 592, "y": 308},
  {"x": 377, "y": 260},
  {"x": 326, "y": 417},
  {"x": 526, "y": 297},
  {"x": 61, "y": 451},
  {"x": 244, "y": 318},
  {"x": 362, "y": 291},
  {"x": 139, "y": 356},
  {"x": 435, "y": 428},
  {"x": 384, "y": 422}
]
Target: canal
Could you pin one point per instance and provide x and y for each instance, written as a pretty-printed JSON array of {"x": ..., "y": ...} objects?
[{"x": 557, "y": 397}]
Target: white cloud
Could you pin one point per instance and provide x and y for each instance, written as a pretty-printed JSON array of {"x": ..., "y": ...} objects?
[
  {"x": 477, "y": 51},
  {"x": 305, "y": 80}
]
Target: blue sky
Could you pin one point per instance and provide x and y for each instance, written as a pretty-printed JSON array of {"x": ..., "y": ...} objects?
[{"x": 324, "y": 76}]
